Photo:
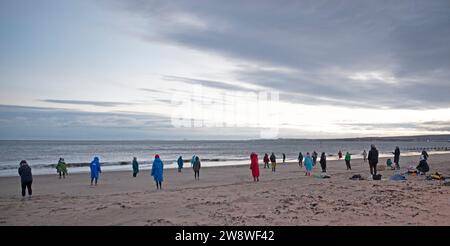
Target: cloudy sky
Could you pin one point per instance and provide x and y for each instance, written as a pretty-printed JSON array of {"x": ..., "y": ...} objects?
[{"x": 113, "y": 69}]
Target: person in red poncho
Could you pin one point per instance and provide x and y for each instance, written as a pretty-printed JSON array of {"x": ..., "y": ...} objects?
[{"x": 254, "y": 166}]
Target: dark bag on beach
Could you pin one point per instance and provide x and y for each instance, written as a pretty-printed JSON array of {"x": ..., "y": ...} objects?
[{"x": 376, "y": 177}]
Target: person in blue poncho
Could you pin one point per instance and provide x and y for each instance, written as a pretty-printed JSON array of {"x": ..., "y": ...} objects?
[
  {"x": 157, "y": 172},
  {"x": 308, "y": 164},
  {"x": 193, "y": 160},
  {"x": 95, "y": 170},
  {"x": 180, "y": 163}
]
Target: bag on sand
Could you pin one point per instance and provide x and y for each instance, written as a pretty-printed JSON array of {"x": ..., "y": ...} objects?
[
  {"x": 376, "y": 177},
  {"x": 437, "y": 176},
  {"x": 357, "y": 177}
]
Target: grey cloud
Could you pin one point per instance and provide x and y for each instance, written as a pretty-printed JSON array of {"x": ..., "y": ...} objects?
[
  {"x": 19, "y": 122},
  {"x": 207, "y": 83},
  {"x": 82, "y": 102},
  {"x": 320, "y": 41}
]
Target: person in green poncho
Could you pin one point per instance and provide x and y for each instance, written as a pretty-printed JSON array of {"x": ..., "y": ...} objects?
[
  {"x": 61, "y": 168},
  {"x": 347, "y": 159}
]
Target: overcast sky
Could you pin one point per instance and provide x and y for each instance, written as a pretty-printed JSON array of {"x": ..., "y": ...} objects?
[{"x": 113, "y": 69}]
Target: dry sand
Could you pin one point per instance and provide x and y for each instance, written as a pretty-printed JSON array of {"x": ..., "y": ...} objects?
[{"x": 228, "y": 196}]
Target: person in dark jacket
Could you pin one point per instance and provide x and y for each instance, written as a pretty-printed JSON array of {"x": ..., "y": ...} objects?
[
  {"x": 135, "y": 165},
  {"x": 284, "y": 158},
  {"x": 373, "y": 159},
  {"x": 425, "y": 154},
  {"x": 196, "y": 166},
  {"x": 323, "y": 162},
  {"x": 314, "y": 157},
  {"x": 423, "y": 167},
  {"x": 266, "y": 160},
  {"x": 397, "y": 157},
  {"x": 26, "y": 177},
  {"x": 300, "y": 159},
  {"x": 273, "y": 160}
]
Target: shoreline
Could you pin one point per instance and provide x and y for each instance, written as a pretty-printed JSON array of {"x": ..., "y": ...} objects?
[{"x": 173, "y": 165}]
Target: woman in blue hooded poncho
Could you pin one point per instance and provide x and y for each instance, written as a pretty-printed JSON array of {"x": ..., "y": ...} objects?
[
  {"x": 308, "y": 164},
  {"x": 95, "y": 170},
  {"x": 157, "y": 172}
]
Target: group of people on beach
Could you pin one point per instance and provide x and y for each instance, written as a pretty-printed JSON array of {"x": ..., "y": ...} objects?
[
  {"x": 308, "y": 161},
  {"x": 158, "y": 168}
]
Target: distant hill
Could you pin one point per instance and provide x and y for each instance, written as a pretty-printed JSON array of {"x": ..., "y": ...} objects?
[{"x": 401, "y": 138}]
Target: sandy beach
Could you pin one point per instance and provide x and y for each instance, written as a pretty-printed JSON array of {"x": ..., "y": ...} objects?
[{"x": 228, "y": 196}]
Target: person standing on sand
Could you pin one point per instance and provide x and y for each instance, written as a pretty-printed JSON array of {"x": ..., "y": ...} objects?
[
  {"x": 340, "y": 154},
  {"x": 373, "y": 159},
  {"x": 308, "y": 164},
  {"x": 254, "y": 166},
  {"x": 364, "y": 155},
  {"x": 135, "y": 165},
  {"x": 157, "y": 172},
  {"x": 61, "y": 168},
  {"x": 95, "y": 170},
  {"x": 323, "y": 162},
  {"x": 196, "y": 167},
  {"x": 314, "y": 157},
  {"x": 273, "y": 160},
  {"x": 26, "y": 177},
  {"x": 425, "y": 154},
  {"x": 347, "y": 160},
  {"x": 266, "y": 160},
  {"x": 284, "y": 158},
  {"x": 300, "y": 159},
  {"x": 193, "y": 160},
  {"x": 397, "y": 157},
  {"x": 180, "y": 163}
]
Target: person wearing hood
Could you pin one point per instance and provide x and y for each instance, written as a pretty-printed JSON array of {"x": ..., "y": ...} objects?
[
  {"x": 95, "y": 170},
  {"x": 314, "y": 157},
  {"x": 254, "y": 166},
  {"x": 193, "y": 160},
  {"x": 61, "y": 168},
  {"x": 135, "y": 165},
  {"x": 425, "y": 154},
  {"x": 397, "y": 157},
  {"x": 266, "y": 160},
  {"x": 180, "y": 163},
  {"x": 308, "y": 164},
  {"x": 323, "y": 162},
  {"x": 347, "y": 159},
  {"x": 373, "y": 159},
  {"x": 389, "y": 163},
  {"x": 423, "y": 167},
  {"x": 26, "y": 177},
  {"x": 300, "y": 159},
  {"x": 157, "y": 172},
  {"x": 273, "y": 160},
  {"x": 196, "y": 167}
]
